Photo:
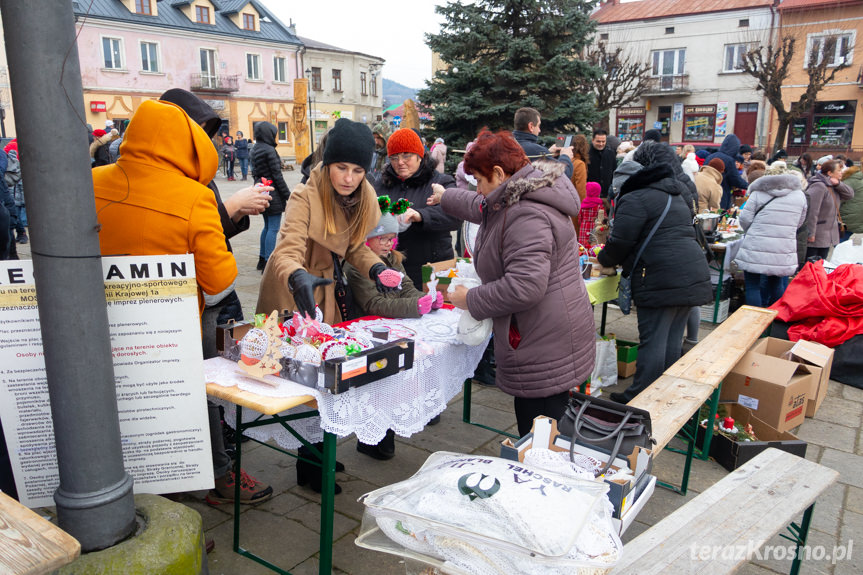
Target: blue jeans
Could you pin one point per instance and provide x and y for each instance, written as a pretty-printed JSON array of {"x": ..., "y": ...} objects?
[
  {"x": 660, "y": 335},
  {"x": 774, "y": 287},
  {"x": 269, "y": 234},
  {"x": 244, "y": 166},
  {"x": 22, "y": 219}
]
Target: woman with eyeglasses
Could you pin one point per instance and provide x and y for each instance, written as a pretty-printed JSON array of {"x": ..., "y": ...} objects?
[{"x": 410, "y": 174}]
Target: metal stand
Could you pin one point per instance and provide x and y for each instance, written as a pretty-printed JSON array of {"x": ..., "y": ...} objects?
[
  {"x": 799, "y": 535},
  {"x": 328, "y": 481},
  {"x": 466, "y": 412}
]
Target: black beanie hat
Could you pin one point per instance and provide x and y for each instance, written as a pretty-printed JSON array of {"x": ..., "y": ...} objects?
[
  {"x": 654, "y": 135},
  {"x": 349, "y": 142}
]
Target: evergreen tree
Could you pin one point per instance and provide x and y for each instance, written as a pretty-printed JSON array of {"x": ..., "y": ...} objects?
[{"x": 502, "y": 55}]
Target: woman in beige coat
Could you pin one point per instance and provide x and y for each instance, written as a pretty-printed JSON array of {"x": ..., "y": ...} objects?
[
  {"x": 331, "y": 214},
  {"x": 708, "y": 181}
]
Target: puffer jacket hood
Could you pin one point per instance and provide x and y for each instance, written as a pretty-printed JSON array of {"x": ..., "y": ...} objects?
[
  {"x": 623, "y": 172},
  {"x": 730, "y": 145},
  {"x": 196, "y": 108},
  {"x": 657, "y": 176},
  {"x": 540, "y": 182},
  {"x": 777, "y": 186},
  {"x": 152, "y": 139},
  {"x": 775, "y": 209},
  {"x": 265, "y": 133}
]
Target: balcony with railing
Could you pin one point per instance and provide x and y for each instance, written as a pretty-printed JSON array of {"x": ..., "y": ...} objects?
[
  {"x": 677, "y": 84},
  {"x": 214, "y": 84}
]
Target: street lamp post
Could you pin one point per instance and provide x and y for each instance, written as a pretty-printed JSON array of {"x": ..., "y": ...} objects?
[{"x": 311, "y": 109}]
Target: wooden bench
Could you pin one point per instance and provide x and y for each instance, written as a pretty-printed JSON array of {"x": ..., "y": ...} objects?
[
  {"x": 675, "y": 399},
  {"x": 29, "y": 544},
  {"x": 727, "y": 524}
]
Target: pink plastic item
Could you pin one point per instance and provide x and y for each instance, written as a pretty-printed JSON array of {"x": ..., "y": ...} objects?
[
  {"x": 391, "y": 278},
  {"x": 438, "y": 301},
  {"x": 424, "y": 304}
]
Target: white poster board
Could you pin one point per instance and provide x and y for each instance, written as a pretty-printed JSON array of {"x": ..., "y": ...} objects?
[{"x": 158, "y": 368}]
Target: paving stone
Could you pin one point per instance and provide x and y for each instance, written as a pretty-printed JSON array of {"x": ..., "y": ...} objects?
[
  {"x": 636, "y": 528},
  {"x": 309, "y": 515},
  {"x": 828, "y": 509},
  {"x": 848, "y": 465},
  {"x": 834, "y": 388},
  {"x": 813, "y": 452},
  {"x": 282, "y": 504},
  {"x": 854, "y": 500},
  {"x": 828, "y": 434},
  {"x": 753, "y": 569},
  {"x": 353, "y": 559},
  {"x": 852, "y": 529},
  {"x": 662, "y": 503},
  {"x": 840, "y": 411},
  {"x": 852, "y": 393}
]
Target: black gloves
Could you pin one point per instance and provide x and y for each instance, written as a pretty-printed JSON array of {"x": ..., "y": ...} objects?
[
  {"x": 303, "y": 285},
  {"x": 386, "y": 279}
]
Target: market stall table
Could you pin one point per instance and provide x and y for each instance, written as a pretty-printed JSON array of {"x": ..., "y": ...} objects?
[
  {"x": 291, "y": 414},
  {"x": 725, "y": 251},
  {"x": 30, "y": 544}
]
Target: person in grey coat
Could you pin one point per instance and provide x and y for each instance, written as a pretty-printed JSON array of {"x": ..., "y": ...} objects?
[
  {"x": 826, "y": 192},
  {"x": 527, "y": 258},
  {"x": 775, "y": 209}
]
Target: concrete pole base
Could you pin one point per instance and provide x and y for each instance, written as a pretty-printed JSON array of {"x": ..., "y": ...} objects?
[{"x": 169, "y": 541}]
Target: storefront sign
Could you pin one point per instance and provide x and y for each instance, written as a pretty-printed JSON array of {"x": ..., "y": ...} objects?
[
  {"x": 840, "y": 107},
  {"x": 639, "y": 111},
  {"x": 96, "y": 106},
  {"x": 158, "y": 368},
  {"x": 699, "y": 110}
]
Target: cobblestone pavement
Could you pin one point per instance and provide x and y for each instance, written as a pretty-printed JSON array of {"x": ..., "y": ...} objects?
[{"x": 285, "y": 530}]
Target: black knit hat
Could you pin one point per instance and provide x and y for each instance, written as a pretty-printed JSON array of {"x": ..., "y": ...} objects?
[{"x": 350, "y": 142}]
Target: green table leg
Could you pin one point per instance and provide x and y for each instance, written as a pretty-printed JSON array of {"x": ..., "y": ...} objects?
[
  {"x": 466, "y": 413},
  {"x": 604, "y": 316},
  {"x": 799, "y": 536},
  {"x": 704, "y": 454},
  {"x": 328, "y": 508},
  {"x": 716, "y": 300},
  {"x": 689, "y": 433},
  {"x": 238, "y": 449}
]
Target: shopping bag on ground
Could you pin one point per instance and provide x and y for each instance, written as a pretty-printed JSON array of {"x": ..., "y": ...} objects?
[{"x": 605, "y": 369}]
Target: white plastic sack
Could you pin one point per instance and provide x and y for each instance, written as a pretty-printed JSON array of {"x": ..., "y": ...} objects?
[
  {"x": 470, "y": 331},
  {"x": 605, "y": 369},
  {"x": 491, "y": 516}
]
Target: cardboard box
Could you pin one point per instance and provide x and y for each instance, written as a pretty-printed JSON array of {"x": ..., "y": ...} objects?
[
  {"x": 429, "y": 269},
  {"x": 625, "y": 369},
  {"x": 621, "y": 492},
  {"x": 815, "y": 355},
  {"x": 775, "y": 389},
  {"x": 732, "y": 454}
]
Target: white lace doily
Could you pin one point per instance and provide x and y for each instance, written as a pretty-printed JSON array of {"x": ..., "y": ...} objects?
[{"x": 403, "y": 402}]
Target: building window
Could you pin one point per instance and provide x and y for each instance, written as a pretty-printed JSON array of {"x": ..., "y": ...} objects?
[
  {"x": 669, "y": 30},
  {"x": 143, "y": 7},
  {"x": 374, "y": 85},
  {"x": 743, "y": 23},
  {"x": 668, "y": 62},
  {"x": 208, "y": 68},
  {"x": 603, "y": 36},
  {"x": 284, "y": 134},
  {"x": 248, "y": 21},
  {"x": 150, "y": 57},
  {"x": 699, "y": 123},
  {"x": 363, "y": 88},
  {"x": 202, "y": 15},
  {"x": 734, "y": 57},
  {"x": 838, "y": 47},
  {"x": 337, "y": 80},
  {"x": 112, "y": 50},
  {"x": 279, "y": 69},
  {"x": 253, "y": 66},
  {"x": 316, "y": 79},
  {"x": 630, "y": 124}
]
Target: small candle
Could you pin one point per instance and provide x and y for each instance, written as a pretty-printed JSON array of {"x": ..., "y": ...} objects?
[{"x": 728, "y": 423}]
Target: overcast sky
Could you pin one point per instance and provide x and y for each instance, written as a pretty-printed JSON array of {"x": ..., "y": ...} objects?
[{"x": 391, "y": 29}]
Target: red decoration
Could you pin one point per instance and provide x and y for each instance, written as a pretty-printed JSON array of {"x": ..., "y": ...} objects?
[{"x": 728, "y": 423}]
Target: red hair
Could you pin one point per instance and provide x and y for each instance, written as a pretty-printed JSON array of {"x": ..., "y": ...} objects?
[{"x": 492, "y": 150}]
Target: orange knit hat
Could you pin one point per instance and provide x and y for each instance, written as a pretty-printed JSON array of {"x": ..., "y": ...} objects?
[{"x": 405, "y": 140}]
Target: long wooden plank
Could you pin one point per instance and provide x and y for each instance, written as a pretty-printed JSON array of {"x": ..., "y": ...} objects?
[
  {"x": 30, "y": 544},
  {"x": 717, "y": 354},
  {"x": 671, "y": 401},
  {"x": 260, "y": 403},
  {"x": 737, "y": 514}
]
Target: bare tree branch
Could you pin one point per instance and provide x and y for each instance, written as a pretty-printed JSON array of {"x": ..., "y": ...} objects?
[{"x": 623, "y": 80}]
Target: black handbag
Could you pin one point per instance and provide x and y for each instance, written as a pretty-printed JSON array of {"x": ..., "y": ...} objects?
[
  {"x": 624, "y": 286},
  {"x": 606, "y": 425},
  {"x": 701, "y": 238},
  {"x": 344, "y": 298}
]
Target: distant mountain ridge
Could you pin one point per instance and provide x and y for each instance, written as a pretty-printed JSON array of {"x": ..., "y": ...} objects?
[{"x": 395, "y": 93}]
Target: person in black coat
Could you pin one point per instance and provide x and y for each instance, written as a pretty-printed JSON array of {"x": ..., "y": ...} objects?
[
  {"x": 731, "y": 178},
  {"x": 603, "y": 162},
  {"x": 526, "y": 127},
  {"x": 410, "y": 174},
  {"x": 241, "y": 147},
  {"x": 266, "y": 163},
  {"x": 672, "y": 275}
]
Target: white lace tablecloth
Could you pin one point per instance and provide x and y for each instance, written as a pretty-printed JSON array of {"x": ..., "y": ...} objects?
[{"x": 403, "y": 402}]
